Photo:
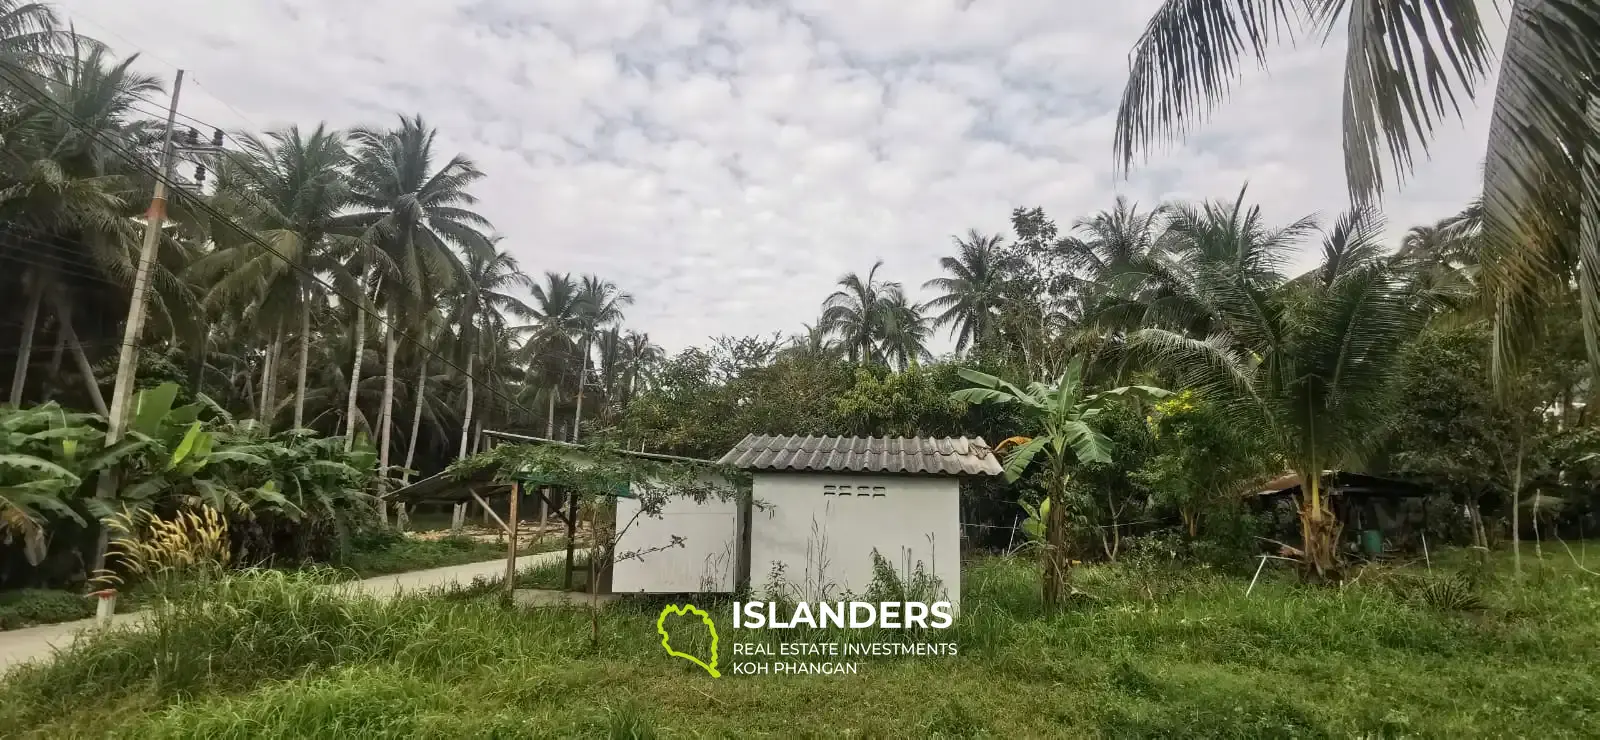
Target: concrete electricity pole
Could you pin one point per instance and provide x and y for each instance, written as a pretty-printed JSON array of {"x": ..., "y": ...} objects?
[{"x": 128, "y": 356}]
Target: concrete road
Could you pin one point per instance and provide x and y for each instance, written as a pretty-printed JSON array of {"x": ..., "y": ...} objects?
[{"x": 20, "y": 646}]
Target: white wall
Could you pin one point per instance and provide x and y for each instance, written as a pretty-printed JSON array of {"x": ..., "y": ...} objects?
[
  {"x": 707, "y": 561},
  {"x": 825, "y": 540}
]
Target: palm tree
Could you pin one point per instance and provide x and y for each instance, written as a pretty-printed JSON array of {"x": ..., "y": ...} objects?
[
  {"x": 600, "y": 303},
  {"x": 418, "y": 216},
  {"x": 905, "y": 332},
  {"x": 1061, "y": 413},
  {"x": 63, "y": 187},
  {"x": 485, "y": 304},
  {"x": 1310, "y": 362},
  {"x": 640, "y": 359},
  {"x": 1404, "y": 65},
  {"x": 859, "y": 313},
  {"x": 31, "y": 37},
  {"x": 974, "y": 290},
  {"x": 1110, "y": 254},
  {"x": 812, "y": 343},
  {"x": 556, "y": 320},
  {"x": 288, "y": 190}
]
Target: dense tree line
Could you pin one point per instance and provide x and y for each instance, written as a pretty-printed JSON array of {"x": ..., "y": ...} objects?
[{"x": 340, "y": 285}]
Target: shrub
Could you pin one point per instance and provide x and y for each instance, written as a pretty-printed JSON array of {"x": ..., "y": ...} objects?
[{"x": 31, "y": 606}]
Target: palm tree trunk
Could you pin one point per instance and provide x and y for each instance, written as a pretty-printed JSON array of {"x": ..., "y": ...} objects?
[
  {"x": 305, "y": 355},
  {"x": 1516, "y": 518},
  {"x": 30, "y": 318},
  {"x": 55, "y": 362},
  {"x": 269, "y": 386},
  {"x": 550, "y": 416},
  {"x": 416, "y": 418},
  {"x": 85, "y": 368},
  {"x": 466, "y": 417},
  {"x": 355, "y": 368},
  {"x": 583, "y": 369},
  {"x": 387, "y": 414}
]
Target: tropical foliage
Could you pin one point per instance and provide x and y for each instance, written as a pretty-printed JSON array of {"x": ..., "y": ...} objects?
[{"x": 332, "y": 316}]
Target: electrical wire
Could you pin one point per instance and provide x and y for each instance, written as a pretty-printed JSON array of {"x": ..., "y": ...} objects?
[{"x": 21, "y": 83}]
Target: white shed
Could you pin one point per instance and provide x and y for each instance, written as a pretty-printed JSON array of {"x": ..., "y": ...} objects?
[{"x": 823, "y": 504}]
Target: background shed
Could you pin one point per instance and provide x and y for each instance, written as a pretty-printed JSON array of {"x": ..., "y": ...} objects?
[{"x": 823, "y": 504}]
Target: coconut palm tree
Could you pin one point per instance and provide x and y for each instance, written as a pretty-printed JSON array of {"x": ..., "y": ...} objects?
[
  {"x": 859, "y": 313},
  {"x": 1405, "y": 64},
  {"x": 905, "y": 332},
  {"x": 974, "y": 290},
  {"x": 640, "y": 360},
  {"x": 485, "y": 304},
  {"x": 812, "y": 343},
  {"x": 1311, "y": 361},
  {"x": 418, "y": 216},
  {"x": 1109, "y": 253},
  {"x": 31, "y": 37},
  {"x": 65, "y": 191},
  {"x": 600, "y": 303},
  {"x": 556, "y": 321},
  {"x": 288, "y": 189}
]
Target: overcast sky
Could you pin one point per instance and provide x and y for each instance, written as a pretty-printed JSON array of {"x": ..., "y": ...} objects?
[{"x": 727, "y": 161}]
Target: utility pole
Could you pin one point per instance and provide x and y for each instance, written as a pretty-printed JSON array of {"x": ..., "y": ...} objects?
[{"x": 128, "y": 356}]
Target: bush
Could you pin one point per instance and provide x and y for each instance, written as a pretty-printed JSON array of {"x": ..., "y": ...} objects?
[{"x": 31, "y": 606}]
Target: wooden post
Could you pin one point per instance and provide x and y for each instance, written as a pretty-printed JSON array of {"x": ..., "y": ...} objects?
[
  {"x": 544, "y": 513},
  {"x": 487, "y": 512},
  {"x": 511, "y": 537},
  {"x": 572, "y": 535}
]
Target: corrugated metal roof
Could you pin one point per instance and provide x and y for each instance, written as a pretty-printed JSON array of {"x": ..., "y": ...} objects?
[{"x": 923, "y": 455}]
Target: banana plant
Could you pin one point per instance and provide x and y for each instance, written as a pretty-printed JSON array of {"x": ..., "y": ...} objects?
[{"x": 1061, "y": 414}]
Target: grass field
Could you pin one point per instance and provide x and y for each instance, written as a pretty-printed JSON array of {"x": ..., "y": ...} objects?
[{"x": 1147, "y": 651}]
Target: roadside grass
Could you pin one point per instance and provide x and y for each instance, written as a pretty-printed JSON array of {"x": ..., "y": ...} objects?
[
  {"x": 396, "y": 554},
  {"x": 1146, "y": 652}
]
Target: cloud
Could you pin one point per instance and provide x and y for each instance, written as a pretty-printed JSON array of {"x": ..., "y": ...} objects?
[{"x": 726, "y": 161}]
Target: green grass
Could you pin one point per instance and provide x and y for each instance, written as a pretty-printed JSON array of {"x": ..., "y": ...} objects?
[{"x": 1146, "y": 652}]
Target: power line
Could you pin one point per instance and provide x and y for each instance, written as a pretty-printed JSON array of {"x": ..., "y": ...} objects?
[{"x": 198, "y": 201}]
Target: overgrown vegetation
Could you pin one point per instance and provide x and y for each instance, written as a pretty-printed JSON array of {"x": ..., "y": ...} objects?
[{"x": 1168, "y": 651}]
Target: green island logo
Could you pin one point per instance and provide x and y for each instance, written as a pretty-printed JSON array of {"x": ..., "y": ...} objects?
[{"x": 661, "y": 627}]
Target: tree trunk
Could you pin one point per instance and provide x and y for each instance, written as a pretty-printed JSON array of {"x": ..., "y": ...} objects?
[
  {"x": 1475, "y": 518},
  {"x": 1319, "y": 529},
  {"x": 1516, "y": 507},
  {"x": 305, "y": 355},
  {"x": 386, "y": 415},
  {"x": 466, "y": 418},
  {"x": 355, "y": 368},
  {"x": 85, "y": 368},
  {"x": 55, "y": 362},
  {"x": 30, "y": 318},
  {"x": 550, "y": 416},
  {"x": 1056, "y": 564},
  {"x": 269, "y": 389},
  {"x": 416, "y": 418},
  {"x": 583, "y": 370}
]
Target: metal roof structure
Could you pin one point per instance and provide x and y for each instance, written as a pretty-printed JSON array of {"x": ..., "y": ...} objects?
[{"x": 914, "y": 455}]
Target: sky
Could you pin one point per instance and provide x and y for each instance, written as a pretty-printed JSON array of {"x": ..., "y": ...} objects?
[{"x": 726, "y": 162}]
